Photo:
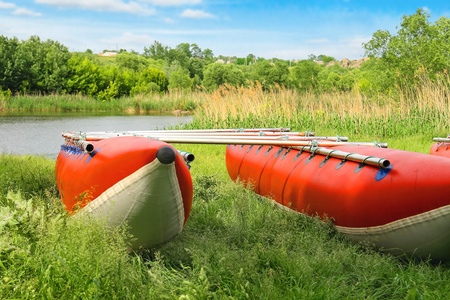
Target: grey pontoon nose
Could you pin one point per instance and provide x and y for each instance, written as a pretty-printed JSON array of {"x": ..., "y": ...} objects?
[{"x": 166, "y": 155}]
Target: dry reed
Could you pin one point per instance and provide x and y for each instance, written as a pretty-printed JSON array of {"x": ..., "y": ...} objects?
[{"x": 422, "y": 108}]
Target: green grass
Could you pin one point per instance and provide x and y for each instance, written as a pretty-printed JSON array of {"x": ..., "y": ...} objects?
[
  {"x": 77, "y": 103},
  {"x": 236, "y": 245}
]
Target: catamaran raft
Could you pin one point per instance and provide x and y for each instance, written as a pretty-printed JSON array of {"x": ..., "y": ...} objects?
[{"x": 395, "y": 199}]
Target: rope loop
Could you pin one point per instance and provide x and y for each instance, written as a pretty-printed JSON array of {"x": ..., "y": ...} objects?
[
  {"x": 328, "y": 155},
  {"x": 345, "y": 157},
  {"x": 316, "y": 149},
  {"x": 367, "y": 157}
]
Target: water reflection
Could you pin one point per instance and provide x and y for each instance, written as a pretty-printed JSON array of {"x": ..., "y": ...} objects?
[{"x": 40, "y": 133}]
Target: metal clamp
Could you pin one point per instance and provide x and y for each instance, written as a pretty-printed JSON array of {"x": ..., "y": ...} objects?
[{"x": 326, "y": 158}]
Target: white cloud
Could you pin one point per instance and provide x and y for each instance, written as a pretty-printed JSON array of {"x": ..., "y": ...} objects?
[
  {"x": 174, "y": 2},
  {"x": 7, "y": 5},
  {"x": 18, "y": 11},
  {"x": 196, "y": 14},
  {"x": 101, "y": 5},
  {"x": 25, "y": 12}
]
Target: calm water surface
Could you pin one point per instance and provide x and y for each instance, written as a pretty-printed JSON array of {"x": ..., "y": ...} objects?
[{"x": 40, "y": 134}]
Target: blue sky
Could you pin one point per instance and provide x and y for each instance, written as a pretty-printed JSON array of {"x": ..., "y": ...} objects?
[{"x": 269, "y": 29}]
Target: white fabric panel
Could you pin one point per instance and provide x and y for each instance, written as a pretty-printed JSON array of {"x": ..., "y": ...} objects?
[{"x": 149, "y": 201}]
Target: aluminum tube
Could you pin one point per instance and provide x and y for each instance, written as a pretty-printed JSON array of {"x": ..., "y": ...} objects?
[
  {"x": 86, "y": 146},
  {"x": 95, "y": 137},
  {"x": 441, "y": 140},
  {"x": 368, "y": 160},
  {"x": 159, "y": 133},
  {"x": 187, "y": 156},
  {"x": 281, "y": 129},
  {"x": 262, "y": 138},
  {"x": 258, "y": 142}
]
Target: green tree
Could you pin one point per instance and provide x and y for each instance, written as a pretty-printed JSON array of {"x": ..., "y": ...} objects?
[
  {"x": 156, "y": 50},
  {"x": 196, "y": 51},
  {"x": 172, "y": 67},
  {"x": 110, "y": 92},
  {"x": 375, "y": 77},
  {"x": 55, "y": 66},
  {"x": 195, "y": 68},
  {"x": 185, "y": 48},
  {"x": 177, "y": 55},
  {"x": 418, "y": 46},
  {"x": 213, "y": 76},
  {"x": 147, "y": 80},
  {"x": 325, "y": 59},
  {"x": 180, "y": 80},
  {"x": 269, "y": 74},
  {"x": 115, "y": 82},
  {"x": 84, "y": 76},
  {"x": 240, "y": 61},
  {"x": 233, "y": 75},
  {"x": 305, "y": 74},
  {"x": 132, "y": 61},
  {"x": 44, "y": 64},
  {"x": 11, "y": 67},
  {"x": 218, "y": 74},
  {"x": 208, "y": 56}
]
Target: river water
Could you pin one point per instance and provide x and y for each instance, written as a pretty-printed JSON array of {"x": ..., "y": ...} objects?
[{"x": 40, "y": 133}]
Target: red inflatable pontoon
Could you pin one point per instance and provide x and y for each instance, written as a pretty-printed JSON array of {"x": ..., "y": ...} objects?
[
  {"x": 441, "y": 149},
  {"x": 403, "y": 209},
  {"x": 143, "y": 182}
]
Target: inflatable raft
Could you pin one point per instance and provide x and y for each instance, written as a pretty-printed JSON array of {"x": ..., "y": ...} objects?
[
  {"x": 402, "y": 207},
  {"x": 143, "y": 182},
  {"x": 441, "y": 148}
]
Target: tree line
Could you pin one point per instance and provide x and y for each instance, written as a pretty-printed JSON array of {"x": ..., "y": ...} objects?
[{"x": 419, "y": 48}]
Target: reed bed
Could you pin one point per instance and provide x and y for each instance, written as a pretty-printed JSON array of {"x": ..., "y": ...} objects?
[
  {"x": 154, "y": 103},
  {"x": 423, "y": 108}
]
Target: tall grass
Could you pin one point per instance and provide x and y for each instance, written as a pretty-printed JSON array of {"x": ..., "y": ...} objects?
[
  {"x": 410, "y": 111},
  {"x": 77, "y": 103}
]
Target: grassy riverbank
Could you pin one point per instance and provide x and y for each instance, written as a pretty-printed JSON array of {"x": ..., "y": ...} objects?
[{"x": 235, "y": 244}]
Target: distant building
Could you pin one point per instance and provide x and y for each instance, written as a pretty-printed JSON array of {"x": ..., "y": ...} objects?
[{"x": 108, "y": 54}]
